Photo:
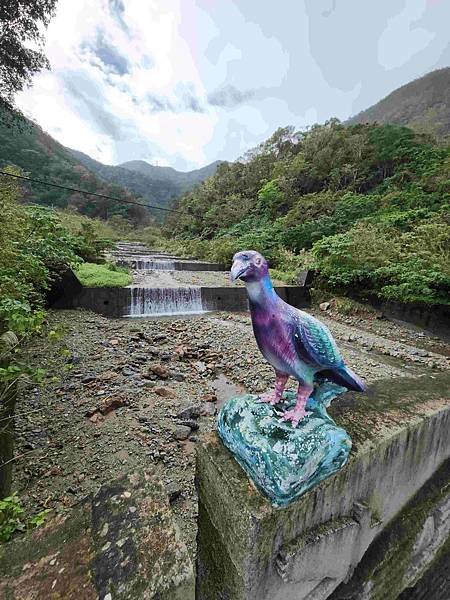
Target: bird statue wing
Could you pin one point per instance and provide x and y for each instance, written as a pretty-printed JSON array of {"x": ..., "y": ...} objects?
[{"x": 314, "y": 342}]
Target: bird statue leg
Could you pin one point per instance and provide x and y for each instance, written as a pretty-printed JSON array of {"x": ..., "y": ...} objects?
[
  {"x": 275, "y": 396},
  {"x": 298, "y": 412}
]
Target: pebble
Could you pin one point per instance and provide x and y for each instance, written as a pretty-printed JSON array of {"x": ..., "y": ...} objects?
[{"x": 182, "y": 432}]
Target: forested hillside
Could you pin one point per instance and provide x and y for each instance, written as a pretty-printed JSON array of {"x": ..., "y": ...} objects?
[
  {"x": 25, "y": 145},
  {"x": 367, "y": 206},
  {"x": 158, "y": 186},
  {"x": 423, "y": 104}
]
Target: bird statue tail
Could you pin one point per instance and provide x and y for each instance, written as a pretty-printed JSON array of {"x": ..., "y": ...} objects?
[{"x": 345, "y": 377}]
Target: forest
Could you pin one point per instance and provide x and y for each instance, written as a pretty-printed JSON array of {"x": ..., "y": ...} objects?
[{"x": 367, "y": 207}]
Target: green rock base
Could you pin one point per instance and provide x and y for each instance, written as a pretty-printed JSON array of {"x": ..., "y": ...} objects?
[{"x": 284, "y": 461}]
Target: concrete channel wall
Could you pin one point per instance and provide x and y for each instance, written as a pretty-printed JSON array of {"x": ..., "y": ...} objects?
[
  {"x": 115, "y": 302},
  {"x": 249, "y": 550}
]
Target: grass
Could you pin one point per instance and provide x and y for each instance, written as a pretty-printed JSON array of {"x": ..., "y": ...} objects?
[{"x": 105, "y": 275}]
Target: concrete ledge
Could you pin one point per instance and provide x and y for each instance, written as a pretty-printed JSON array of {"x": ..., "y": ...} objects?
[
  {"x": 248, "y": 550},
  {"x": 122, "y": 544}
]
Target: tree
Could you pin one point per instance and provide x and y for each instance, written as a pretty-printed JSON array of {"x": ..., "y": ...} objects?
[{"x": 21, "y": 56}]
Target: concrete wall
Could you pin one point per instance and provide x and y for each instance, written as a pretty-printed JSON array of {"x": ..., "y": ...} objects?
[
  {"x": 199, "y": 266},
  {"x": 432, "y": 318},
  {"x": 110, "y": 302},
  {"x": 114, "y": 302},
  {"x": 178, "y": 265},
  {"x": 249, "y": 550}
]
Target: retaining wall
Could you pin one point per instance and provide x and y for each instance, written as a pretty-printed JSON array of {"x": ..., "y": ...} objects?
[{"x": 249, "y": 550}]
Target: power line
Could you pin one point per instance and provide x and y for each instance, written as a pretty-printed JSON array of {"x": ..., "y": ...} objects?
[{"x": 71, "y": 189}]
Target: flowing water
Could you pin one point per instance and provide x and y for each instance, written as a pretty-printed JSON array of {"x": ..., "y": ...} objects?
[
  {"x": 147, "y": 264},
  {"x": 151, "y": 301}
]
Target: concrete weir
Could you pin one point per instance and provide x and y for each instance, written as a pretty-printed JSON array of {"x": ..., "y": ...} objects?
[
  {"x": 120, "y": 302},
  {"x": 369, "y": 532}
]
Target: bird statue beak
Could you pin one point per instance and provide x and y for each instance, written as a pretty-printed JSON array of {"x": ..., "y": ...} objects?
[{"x": 238, "y": 268}]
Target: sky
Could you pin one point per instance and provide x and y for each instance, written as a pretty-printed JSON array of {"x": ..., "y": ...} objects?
[{"x": 186, "y": 82}]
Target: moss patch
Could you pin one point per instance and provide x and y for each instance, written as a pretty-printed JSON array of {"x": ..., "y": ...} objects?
[{"x": 106, "y": 275}]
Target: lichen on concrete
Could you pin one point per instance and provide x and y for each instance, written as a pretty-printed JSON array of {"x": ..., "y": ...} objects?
[{"x": 121, "y": 541}]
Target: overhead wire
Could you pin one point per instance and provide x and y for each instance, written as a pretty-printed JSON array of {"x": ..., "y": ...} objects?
[{"x": 71, "y": 189}]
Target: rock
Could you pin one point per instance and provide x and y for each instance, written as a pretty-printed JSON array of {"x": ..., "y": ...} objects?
[
  {"x": 200, "y": 366},
  {"x": 153, "y": 350},
  {"x": 165, "y": 392},
  {"x": 89, "y": 378},
  {"x": 160, "y": 337},
  {"x": 159, "y": 371},
  {"x": 191, "y": 424},
  {"x": 283, "y": 461},
  {"x": 177, "y": 376},
  {"x": 192, "y": 412},
  {"x": 324, "y": 305},
  {"x": 128, "y": 372},
  {"x": 209, "y": 398},
  {"x": 174, "y": 491},
  {"x": 208, "y": 409},
  {"x": 182, "y": 432}
]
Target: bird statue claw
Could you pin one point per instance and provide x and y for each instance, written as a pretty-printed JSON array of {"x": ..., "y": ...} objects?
[
  {"x": 268, "y": 398},
  {"x": 295, "y": 416}
]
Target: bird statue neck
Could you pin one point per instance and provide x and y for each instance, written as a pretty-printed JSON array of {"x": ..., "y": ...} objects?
[{"x": 261, "y": 293}]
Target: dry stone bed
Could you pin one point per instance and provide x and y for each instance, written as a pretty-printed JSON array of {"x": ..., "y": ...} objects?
[{"x": 123, "y": 394}]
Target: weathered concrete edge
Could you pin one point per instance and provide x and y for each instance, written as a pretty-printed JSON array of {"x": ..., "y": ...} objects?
[
  {"x": 408, "y": 547},
  {"x": 221, "y": 482}
]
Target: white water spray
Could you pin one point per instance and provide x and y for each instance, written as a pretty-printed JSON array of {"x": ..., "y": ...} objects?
[{"x": 149, "y": 301}]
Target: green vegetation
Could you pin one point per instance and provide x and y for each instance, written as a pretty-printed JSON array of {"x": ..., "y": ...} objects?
[
  {"x": 108, "y": 275},
  {"x": 155, "y": 185},
  {"x": 35, "y": 247},
  {"x": 28, "y": 148},
  {"x": 13, "y": 518},
  {"x": 366, "y": 206},
  {"x": 22, "y": 23}
]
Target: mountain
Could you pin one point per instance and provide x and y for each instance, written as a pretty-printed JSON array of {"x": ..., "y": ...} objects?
[
  {"x": 423, "y": 104},
  {"x": 158, "y": 185},
  {"x": 25, "y": 145}
]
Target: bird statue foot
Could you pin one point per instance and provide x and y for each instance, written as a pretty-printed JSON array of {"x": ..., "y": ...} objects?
[
  {"x": 268, "y": 398},
  {"x": 275, "y": 396},
  {"x": 295, "y": 415}
]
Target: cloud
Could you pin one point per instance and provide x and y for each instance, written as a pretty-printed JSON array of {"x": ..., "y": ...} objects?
[
  {"x": 228, "y": 96},
  {"x": 186, "y": 83},
  {"x": 107, "y": 54},
  {"x": 86, "y": 99},
  {"x": 117, "y": 10},
  {"x": 159, "y": 104}
]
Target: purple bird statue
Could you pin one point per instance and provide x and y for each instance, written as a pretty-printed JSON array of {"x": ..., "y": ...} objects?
[{"x": 295, "y": 343}]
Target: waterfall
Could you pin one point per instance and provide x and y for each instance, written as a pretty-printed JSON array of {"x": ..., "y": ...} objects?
[
  {"x": 144, "y": 264},
  {"x": 149, "y": 301},
  {"x": 147, "y": 264}
]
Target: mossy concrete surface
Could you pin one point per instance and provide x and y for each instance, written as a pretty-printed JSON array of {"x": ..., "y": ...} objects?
[
  {"x": 249, "y": 550},
  {"x": 412, "y": 544},
  {"x": 120, "y": 544}
]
